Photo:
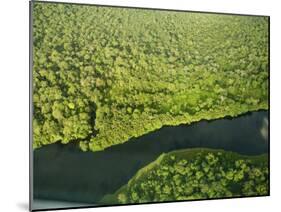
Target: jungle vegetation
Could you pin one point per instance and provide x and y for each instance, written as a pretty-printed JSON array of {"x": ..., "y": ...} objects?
[
  {"x": 195, "y": 174},
  {"x": 104, "y": 75}
]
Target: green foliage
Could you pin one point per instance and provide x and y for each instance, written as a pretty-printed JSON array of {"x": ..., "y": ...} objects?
[
  {"x": 197, "y": 174},
  {"x": 110, "y": 74}
]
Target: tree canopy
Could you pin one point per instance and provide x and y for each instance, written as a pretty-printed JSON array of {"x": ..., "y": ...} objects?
[
  {"x": 195, "y": 174},
  {"x": 104, "y": 75}
]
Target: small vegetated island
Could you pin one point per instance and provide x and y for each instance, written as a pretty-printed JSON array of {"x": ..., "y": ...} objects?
[
  {"x": 195, "y": 174},
  {"x": 104, "y": 75}
]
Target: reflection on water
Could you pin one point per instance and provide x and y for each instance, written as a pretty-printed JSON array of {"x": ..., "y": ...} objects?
[
  {"x": 63, "y": 172},
  {"x": 264, "y": 129},
  {"x": 51, "y": 204}
]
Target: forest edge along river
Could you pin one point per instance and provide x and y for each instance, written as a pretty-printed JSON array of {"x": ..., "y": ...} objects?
[{"x": 63, "y": 172}]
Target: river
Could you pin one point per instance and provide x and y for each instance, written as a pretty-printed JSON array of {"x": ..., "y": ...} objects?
[{"x": 64, "y": 173}]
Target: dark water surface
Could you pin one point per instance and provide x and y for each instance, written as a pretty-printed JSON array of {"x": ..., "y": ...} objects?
[{"x": 63, "y": 172}]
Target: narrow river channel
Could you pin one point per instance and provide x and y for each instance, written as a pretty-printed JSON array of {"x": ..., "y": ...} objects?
[{"x": 63, "y": 172}]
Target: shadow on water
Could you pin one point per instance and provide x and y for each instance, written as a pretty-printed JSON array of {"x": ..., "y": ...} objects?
[{"x": 63, "y": 172}]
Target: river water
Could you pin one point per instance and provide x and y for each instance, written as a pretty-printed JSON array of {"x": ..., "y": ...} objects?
[{"x": 64, "y": 173}]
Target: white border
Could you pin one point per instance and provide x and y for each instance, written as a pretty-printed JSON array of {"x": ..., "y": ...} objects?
[
  {"x": 255, "y": 8},
  {"x": 14, "y": 107}
]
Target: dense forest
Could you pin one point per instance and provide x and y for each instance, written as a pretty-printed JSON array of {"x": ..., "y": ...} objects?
[
  {"x": 102, "y": 76},
  {"x": 195, "y": 174}
]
